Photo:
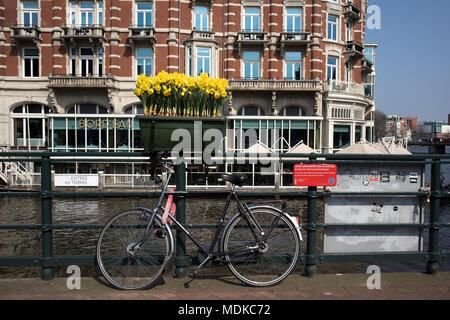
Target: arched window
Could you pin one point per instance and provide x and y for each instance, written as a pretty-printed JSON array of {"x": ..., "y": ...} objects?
[
  {"x": 293, "y": 112},
  {"x": 251, "y": 111},
  {"x": 134, "y": 109},
  {"x": 87, "y": 108},
  {"x": 30, "y": 125}
]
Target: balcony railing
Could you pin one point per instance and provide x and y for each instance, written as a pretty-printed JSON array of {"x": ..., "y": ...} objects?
[
  {"x": 366, "y": 65},
  {"x": 138, "y": 33},
  {"x": 354, "y": 49},
  {"x": 344, "y": 87},
  {"x": 91, "y": 81},
  {"x": 203, "y": 35},
  {"x": 25, "y": 33},
  {"x": 352, "y": 12},
  {"x": 79, "y": 32},
  {"x": 274, "y": 85}
]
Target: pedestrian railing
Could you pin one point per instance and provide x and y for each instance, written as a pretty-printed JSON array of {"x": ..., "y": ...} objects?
[{"x": 47, "y": 260}]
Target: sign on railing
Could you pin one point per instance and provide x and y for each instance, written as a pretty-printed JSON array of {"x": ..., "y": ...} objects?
[{"x": 315, "y": 175}]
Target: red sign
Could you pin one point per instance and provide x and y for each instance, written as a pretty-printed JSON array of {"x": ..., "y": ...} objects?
[{"x": 315, "y": 175}]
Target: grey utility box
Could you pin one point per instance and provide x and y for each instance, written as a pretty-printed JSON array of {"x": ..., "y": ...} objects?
[{"x": 380, "y": 209}]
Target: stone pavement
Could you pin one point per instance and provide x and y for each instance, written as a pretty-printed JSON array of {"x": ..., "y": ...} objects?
[{"x": 394, "y": 286}]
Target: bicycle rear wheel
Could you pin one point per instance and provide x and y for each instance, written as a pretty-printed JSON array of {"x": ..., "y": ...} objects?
[
  {"x": 267, "y": 265},
  {"x": 123, "y": 265}
]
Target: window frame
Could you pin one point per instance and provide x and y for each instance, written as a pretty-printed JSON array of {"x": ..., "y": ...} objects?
[
  {"x": 144, "y": 12},
  {"x": 31, "y": 11},
  {"x": 334, "y": 32},
  {"x": 253, "y": 16},
  {"x": 287, "y": 16},
  {"x": 144, "y": 58},
  {"x": 251, "y": 62},
  {"x": 203, "y": 16},
  {"x": 32, "y": 66},
  {"x": 288, "y": 62}
]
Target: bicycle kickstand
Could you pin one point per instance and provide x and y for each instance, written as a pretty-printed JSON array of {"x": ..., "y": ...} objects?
[{"x": 209, "y": 257}]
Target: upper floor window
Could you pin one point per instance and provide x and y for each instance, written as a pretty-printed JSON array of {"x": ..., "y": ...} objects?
[
  {"x": 201, "y": 18},
  {"x": 293, "y": 19},
  {"x": 31, "y": 62},
  {"x": 30, "y": 13},
  {"x": 203, "y": 61},
  {"x": 86, "y": 61},
  {"x": 348, "y": 31},
  {"x": 293, "y": 62},
  {"x": 144, "y": 11},
  {"x": 144, "y": 61},
  {"x": 369, "y": 54},
  {"x": 332, "y": 68},
  {"x": 252, "y": 19},
  {"x": 332, "y": 28},
  {"x": 86, "y": 13},
  {"x": 251, "y": 64}
]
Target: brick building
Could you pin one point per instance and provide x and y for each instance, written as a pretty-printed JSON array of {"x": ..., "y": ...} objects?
[{"x": 299, "y": 70}]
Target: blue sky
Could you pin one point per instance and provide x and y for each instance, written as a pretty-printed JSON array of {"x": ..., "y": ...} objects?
[{"x": 412, "y": 60}]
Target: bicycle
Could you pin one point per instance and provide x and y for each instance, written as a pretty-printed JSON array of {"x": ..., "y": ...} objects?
[{"x": 260, "y": 243}]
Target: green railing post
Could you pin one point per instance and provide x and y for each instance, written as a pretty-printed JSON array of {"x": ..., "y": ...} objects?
[
  {"x": 310, "y": 266},
  {"x": 435, "y": 204},
  {"x": 181, "y": 260},
  {"x": 47, "y": 271}
]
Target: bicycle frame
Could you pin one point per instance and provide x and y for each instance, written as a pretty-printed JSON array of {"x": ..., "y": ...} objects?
[{"x": 246, "y": 213}]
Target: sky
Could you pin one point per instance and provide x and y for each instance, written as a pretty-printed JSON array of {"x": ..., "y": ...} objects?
[{"x": 412, "y": 59}]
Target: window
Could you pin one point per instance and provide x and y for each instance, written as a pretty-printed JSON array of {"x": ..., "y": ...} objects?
[
  {"x": 100, "y": 61},
  {"x": 203, "y": 61},
  {"x": 30, "y": 125},
  {"x": 369, "y": 54},
  {"x": 144, "y": 61},
  {"x": 332, "y": 28},
  {"x": 293, "y": 19},
  {"x": 31, "y": 62},
  {"x": 332, "y": 68},
  {"x": 251, "y": 19},
  {"x": 86, "y": 13},
  {"x": 144, "y": 14},
  {"x": 30, "y": 13},
  {"x": 87, "y": 109},
  {"x": 251, "y": 64},
  {"x": 134, "y": 109},
  {"x": 251, "y": 111},
  {"x": 293, "y": 112},
  {"x": 293, "y": 65},
  {"x": 201, "y": 18},
  {"x": 86, "y": 61},
  {"x": 348, "y": 32},
  {"x": 189, "y": 61},
  {"x": 348, "y": 72}
]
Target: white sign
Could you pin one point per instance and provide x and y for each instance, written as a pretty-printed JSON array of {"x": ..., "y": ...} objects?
[
  {"x": 446, "y": 129},
  {"x": 76, "y": 180}
]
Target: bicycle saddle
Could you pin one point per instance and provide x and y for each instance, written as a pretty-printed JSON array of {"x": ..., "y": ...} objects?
[{"x": 236, "y": 179}]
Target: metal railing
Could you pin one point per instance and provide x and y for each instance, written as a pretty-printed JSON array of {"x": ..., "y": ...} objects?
[{"x": 47, "y": 260}]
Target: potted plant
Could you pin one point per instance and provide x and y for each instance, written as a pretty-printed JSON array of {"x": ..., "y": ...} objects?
[{"x": 174, "y": 100}]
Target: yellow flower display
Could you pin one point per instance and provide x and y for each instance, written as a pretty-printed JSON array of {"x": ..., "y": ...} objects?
[{"x": 175, "y": 94}]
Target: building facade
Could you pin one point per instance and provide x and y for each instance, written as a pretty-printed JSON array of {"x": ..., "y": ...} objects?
[{"x": 299, "y": 70}]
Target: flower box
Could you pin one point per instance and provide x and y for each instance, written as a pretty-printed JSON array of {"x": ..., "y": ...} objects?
[{"x": 156, "y": 131}]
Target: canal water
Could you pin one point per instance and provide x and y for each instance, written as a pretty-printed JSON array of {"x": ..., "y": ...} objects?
[{"x": 97, "y": 211}]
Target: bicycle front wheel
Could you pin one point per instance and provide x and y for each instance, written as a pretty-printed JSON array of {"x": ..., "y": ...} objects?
[
  {"x": 122, "y": 263},
  {"x": 267, "y": 264}
]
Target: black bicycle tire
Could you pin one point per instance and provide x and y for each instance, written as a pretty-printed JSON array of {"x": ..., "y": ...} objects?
[
  {"x": 292, "y": 230},
  {"x": 101, "y": 264}
]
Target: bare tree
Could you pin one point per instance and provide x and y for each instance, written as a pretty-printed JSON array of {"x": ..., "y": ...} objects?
[{"x": 380, "y": 125}]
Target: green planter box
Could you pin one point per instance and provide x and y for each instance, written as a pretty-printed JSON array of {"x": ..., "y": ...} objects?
[{"x": 156, "y": 131}]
